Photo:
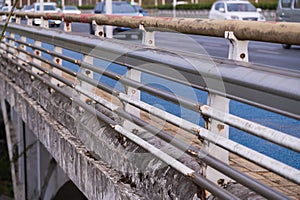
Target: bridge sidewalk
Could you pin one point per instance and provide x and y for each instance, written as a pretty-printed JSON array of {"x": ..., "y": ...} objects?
[
  {"x": 264, "y": 176},
  {"x": 292, "y": 190}
]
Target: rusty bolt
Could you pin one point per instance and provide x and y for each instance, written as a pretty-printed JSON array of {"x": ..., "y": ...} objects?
[
  {"x": 88, "y": 101},
  {"x": 57, "y": 60},
  {"x": 100, "y": 33},
  {"x": 220, "y": 127},
  {"x": 135, "y": 131},
  {"x": 221, "y": 182},
  {"x": 37, "y": 53},
  {"x": 87, "y": 72},
  {"x": 243, "y": 55}
]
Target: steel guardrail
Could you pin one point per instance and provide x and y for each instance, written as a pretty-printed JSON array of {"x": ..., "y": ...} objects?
[
  {"x": 264, "y": 93},
  {"x": 201, "y": 181}
]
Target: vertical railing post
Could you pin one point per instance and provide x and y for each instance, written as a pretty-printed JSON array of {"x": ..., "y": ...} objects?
[
  {"x": 44, "y": 23},
  {"x": 18, "y": 20},
  {"x": 89, "y": 88},
  {"x": 67, "y": 26},
  {"x": 38, "y": 53},
  {"x": 99, "y": 29},
  {"x": 135, "y": 93},
  {"x": 12, "y": 43},
  {"x": 238, "y": 50},
  {"x": 222, "y": 104},
  {"x": 29, "y": 21},
  {"x": 148, "y": 36},
  {"x": 58, "y": 61},
  {"x": 22, "y": 56}
]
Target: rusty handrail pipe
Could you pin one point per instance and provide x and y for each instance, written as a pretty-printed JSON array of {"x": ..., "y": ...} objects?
[
  {"x": 277, "y": 32},
  {"x": 281, "y": 32}
]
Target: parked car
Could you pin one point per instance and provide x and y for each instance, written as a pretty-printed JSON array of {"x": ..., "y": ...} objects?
[
  {"x": 27, "y": 8},
  {"x": 288, "y": 11},
  {"x": 118, "y": 8},
  {"x": 70, "y": 10},
  {"x": 8, "y": 9},
  {"x": 235, "y": 10},
  {"x": 49, "y": 7}
]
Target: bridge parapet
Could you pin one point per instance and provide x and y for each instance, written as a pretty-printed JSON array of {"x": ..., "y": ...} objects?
[{"x": 148, "y": 155}]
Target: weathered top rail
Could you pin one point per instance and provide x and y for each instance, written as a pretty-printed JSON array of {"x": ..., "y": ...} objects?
[{"x": 277, "y": 32}]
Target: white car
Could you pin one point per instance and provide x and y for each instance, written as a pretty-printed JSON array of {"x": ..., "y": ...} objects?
[
  {"x": 70, "y": 10},
  {"x": 7, "y": 9},
  {"x": 235, "y": 10},
  {"x": 27, "y": 8},
  {"x": 49, "y": 7}
]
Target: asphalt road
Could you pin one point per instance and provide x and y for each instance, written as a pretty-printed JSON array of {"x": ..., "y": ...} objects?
[{"x": 259, "y": 52}]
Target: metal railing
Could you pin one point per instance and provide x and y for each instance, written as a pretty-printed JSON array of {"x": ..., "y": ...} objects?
[
  {"x": 264, "y": 93},
  {"x": 278, "y": 32}
]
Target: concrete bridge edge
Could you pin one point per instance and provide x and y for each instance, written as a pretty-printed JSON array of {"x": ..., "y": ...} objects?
[{"x": 93, "y": 173}]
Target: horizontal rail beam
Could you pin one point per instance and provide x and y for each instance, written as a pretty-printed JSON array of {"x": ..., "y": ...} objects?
[
  {"x": 259, "y": 86},
  {"x": 278, "y": 32},
  {"x": 256, "y": 129}
]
